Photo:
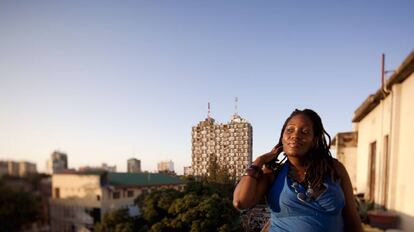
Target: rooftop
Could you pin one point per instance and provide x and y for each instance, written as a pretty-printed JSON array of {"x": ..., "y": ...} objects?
[
  {"x": 141, "y": 179},
  {"x": 402, "y": 73}
]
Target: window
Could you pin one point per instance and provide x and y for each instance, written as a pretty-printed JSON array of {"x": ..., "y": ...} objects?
[
  {"x": 371, "y": 170},
  {"x": 130, "y": 193},
  {"x": 98, "y": 198},
  {"x": 116, "y": 195},
  {"x": 57, "y": 193}
]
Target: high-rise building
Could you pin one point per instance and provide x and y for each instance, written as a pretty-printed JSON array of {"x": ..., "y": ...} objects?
[
  {"x": 229, "y": 145},
  {"x": 58, "y": 162},
  {"x": 165, "y": 166},
  {"x": 133, "y": 165}
]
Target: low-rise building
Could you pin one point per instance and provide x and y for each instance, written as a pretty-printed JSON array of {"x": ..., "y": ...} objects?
[
  {"x": 17, "y": 168},
  {"x": 345, "y": 146},
  {"x": 384, "y": 124},
  {"x": 26, "y": 168},
  {"x": 79, "y": 200},
  {"x": 103, "y": 167}
]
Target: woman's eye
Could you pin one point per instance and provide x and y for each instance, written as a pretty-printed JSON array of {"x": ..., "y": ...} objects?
[
  {"x": 289, "y": 130},
  {"x": 305, "y": 132}
]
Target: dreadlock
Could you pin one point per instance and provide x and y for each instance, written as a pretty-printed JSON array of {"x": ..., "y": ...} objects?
[{"x": 319, "y": 162}]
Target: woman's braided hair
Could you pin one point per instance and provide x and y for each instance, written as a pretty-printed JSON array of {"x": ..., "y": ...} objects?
[{"x": 320, "y": 162}]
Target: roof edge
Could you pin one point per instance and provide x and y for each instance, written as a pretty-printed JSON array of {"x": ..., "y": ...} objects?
[{"x": 405, "y": 69}]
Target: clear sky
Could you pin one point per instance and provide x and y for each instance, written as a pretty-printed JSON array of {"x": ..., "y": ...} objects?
[{"x": 105, "y": 81}]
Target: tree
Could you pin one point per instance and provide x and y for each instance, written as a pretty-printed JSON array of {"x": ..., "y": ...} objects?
[
  {"x": 200, "y": 207},
  {"x": 119, "y": 221},
  {"x": 17, "y": 209},
  {"x": 219, "y": 177},
  {"x": 154, "y": 206}
]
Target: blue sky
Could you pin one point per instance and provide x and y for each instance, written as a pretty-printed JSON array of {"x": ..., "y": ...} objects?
[{"x": 108, "y": 80}]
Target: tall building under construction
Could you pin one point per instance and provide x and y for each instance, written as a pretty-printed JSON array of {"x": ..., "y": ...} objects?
[{"x": 229, "y": 145}]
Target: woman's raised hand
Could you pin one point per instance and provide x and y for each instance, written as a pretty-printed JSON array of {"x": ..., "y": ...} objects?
[{"x": 269, "y": 156}]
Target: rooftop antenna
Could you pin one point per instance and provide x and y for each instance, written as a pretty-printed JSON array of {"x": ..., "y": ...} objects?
[
  {"x": 384, "y": 88},
  {"x": 208, "y": 114},
  {"x": 235, "y": 106}
]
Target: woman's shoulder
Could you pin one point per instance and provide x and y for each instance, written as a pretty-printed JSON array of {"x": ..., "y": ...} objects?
[{"x": 339, "y": 168}]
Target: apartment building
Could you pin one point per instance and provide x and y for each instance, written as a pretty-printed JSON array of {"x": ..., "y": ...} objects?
[
  {"x": 17, "y": 168},
  {"x": 229, "y": 145},
  {"x": 79, "y": 200}
]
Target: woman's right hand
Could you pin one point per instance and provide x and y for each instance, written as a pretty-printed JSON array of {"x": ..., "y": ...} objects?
[{"x": 263, "y": 159}]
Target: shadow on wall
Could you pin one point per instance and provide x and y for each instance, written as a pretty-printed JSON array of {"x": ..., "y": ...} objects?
[{"x": 379, "y": 217}]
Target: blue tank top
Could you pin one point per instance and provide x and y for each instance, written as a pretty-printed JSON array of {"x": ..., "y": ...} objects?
[{"x": 288, "y": 213}]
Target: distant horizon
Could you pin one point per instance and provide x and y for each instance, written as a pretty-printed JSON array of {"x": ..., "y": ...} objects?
[{"x": 99, "y": 166}]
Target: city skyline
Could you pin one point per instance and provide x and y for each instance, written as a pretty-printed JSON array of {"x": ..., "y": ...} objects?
[{"x": 105, "y": 81}]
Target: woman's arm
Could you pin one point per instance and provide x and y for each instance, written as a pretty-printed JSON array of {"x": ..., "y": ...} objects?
[
  {"x": 352, "y": 221},
  {"x": 250, "y": 191}
]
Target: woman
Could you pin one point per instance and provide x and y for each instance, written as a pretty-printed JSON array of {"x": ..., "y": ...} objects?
[{"x": 311, "y": 191}]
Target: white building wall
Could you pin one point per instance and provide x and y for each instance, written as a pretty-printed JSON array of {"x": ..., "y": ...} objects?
[
  {"x": 72, "y": 195},
  {"x": 394, "y": 116},
  {"x": 403, "y": 192},
  {"x": 86, "y": 187},
  {"x": 373, "y": 128},
  {"x": 347, "y": 156}
]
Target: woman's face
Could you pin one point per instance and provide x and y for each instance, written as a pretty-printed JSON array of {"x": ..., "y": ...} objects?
[{"x": 298, "y": 137}]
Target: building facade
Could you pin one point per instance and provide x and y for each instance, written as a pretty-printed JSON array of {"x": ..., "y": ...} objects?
[
  {"x": 26, "y": 168},
  {"x": 58, "y": 162},
  {"x": 79, "y": 200},
  {"x": 17, "y": 168},
  {"x": 103, "y": 167},
  {"x": 229, "y": 145},
  {"x": 345, "y": 146},
  {"x": 165, "y": 166},
  {"x": 384, "y": 123},
  {"x": 188, "y": 171},
  {"x": 133, "y": 165}
]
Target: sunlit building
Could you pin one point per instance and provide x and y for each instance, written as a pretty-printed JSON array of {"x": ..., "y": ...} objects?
[
  {"x": 26, "y": 168},
  {"x": 383, "y": 126},
  {"x": 165, "y": 166},
  {"x": 188, "y": 170},
  {"x": 345, "y": 146},
  {"x": 134, "y": 165},
  {"x": 229, "y": 145},
  {"x": 79, "y": 200},
  {"x": 17, "y": 168},
  {"x": 58, "y": 162}
]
